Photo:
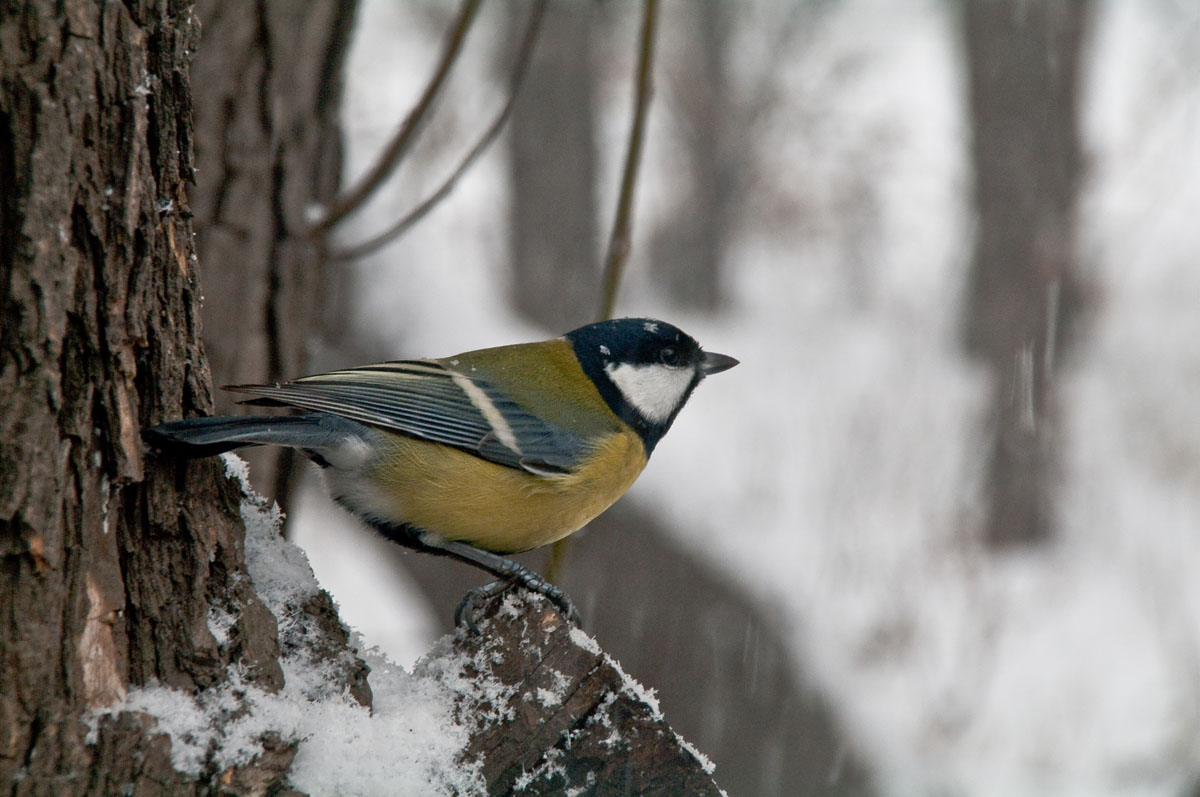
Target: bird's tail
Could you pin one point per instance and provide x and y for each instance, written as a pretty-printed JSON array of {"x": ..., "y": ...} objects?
[{"x": 202, "y": 437}]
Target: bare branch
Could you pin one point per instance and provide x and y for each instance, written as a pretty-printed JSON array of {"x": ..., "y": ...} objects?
[
  {"x": 520, "y": 67},
  {"x": 402, "y": 141},
  {"x": 621, "y": 241}
]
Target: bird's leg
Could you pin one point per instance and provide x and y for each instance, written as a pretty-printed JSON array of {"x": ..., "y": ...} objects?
[{"x": 508, "y": 572}]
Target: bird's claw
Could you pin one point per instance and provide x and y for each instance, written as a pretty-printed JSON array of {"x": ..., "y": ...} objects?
[{"x": 465, "y": 613}]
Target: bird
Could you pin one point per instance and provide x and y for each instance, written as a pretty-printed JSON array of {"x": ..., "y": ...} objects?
[{"x": 483, "y": 454}]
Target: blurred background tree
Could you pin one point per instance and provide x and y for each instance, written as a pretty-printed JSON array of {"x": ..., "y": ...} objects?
[
  {"x": 554, "y": 237},
  {"x": 1025, "y": 295},
  {"x": 267, "y": 84},
  {"x": 690, "y": 247}
]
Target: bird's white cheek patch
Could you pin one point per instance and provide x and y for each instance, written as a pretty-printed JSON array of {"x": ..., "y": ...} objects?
[{"x": 653, "y": 390}]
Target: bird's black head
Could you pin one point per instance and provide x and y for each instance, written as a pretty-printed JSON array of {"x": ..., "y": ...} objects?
[{"x": 644, "y": 369}]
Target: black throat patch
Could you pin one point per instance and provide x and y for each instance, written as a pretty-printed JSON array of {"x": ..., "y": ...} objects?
[{"x": 625, "y": 340}]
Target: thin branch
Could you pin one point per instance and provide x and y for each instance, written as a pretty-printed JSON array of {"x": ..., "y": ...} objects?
[
  {"x": 402, "y": 141},
  {"x": 520, "y": 68},
  {"x": 622, "y": 235}
]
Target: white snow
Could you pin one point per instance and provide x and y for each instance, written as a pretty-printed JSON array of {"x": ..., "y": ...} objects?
[
  {"x": 220, "y": 624},
  {"x": 384, "y": 606},
  {"x": 706, "y": 764},
  {"x": 408, "y": 742}
]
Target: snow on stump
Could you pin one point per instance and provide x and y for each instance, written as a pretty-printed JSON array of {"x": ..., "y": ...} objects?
[{"x": 550, "y": 713}]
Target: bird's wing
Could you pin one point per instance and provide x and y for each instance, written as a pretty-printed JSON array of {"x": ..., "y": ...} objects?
[{"x": 424, "y": 399}]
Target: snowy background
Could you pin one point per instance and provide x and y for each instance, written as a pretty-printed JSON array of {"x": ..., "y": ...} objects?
[{"x": 847, "y": 450}]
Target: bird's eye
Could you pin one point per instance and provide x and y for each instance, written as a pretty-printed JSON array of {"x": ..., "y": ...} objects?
[{"x": 669, "y": 355}]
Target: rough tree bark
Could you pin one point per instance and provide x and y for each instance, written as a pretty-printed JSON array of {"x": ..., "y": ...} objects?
[
  {"x": 568, "y": 720},
  {"x": 267, "y": 91},
  {"x": 111, "y": 562},
  {"x": 1023, "y": 293}
]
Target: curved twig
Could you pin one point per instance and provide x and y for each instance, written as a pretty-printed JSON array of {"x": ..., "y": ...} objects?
[
  {"x": 399, "y": 145},
  {"x": 520, "y": 67}
]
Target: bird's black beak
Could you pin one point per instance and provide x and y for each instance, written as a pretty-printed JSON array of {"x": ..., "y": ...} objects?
[{"x": 714, "y": 363}]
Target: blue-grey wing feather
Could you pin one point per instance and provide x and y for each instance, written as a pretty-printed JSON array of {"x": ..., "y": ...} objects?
[{"x": 422, "y": 399}]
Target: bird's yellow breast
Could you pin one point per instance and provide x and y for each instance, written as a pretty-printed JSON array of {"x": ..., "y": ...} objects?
[{"x": 463, "y": 497}]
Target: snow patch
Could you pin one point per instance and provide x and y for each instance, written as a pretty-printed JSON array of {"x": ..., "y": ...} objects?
[{"x": 408, "y": 743}]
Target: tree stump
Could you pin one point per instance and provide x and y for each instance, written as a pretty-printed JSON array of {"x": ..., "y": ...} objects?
[{"x": 553, "y": 714}]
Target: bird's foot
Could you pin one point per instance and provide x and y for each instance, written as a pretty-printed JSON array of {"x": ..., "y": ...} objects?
[{"x": 478, "y": 597}]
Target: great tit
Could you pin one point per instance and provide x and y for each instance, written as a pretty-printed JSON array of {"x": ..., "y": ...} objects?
[{"x": 485, "y": 453}]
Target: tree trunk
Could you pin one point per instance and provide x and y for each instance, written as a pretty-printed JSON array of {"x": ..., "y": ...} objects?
[
  {"x": 554, "y": 241},
  {"x": 267, "y": 90},
  {"x": 689, "y": 247},
  {"x": 112, "y": 561},
  {"x": 1023, "y": 292}
]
